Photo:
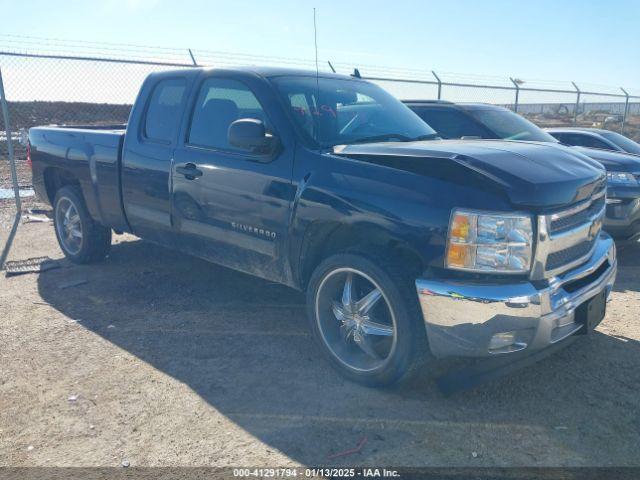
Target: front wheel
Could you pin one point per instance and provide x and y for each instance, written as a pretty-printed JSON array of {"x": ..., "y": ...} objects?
[
  {"x": 365, "y": 319},
  {"x": 81, "y": 239}
]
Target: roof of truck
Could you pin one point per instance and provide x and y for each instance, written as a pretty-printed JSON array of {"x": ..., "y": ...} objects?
[{"x": 259, "y": 70}]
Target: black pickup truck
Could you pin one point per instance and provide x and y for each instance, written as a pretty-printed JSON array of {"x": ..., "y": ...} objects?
[{"x": 408, "y": 247}]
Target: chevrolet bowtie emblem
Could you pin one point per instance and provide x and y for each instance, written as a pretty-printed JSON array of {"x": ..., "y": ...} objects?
[{"x": 594, "y": 229}]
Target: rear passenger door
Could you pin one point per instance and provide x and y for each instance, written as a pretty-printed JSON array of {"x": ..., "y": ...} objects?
[
  {"x": 147, "y": 155},
  {"x": 234, "y": 207}
]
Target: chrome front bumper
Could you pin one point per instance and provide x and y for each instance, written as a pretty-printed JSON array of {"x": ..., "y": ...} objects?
[{"x": 462, "y": 317}]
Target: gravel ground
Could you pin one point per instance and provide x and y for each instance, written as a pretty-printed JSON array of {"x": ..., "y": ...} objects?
[
  {"x": 158, "y": 359},
  {"x": 22, "y": 169}
]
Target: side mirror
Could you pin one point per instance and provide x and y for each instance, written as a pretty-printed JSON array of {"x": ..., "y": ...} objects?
[{"x": 250, "y": 134}]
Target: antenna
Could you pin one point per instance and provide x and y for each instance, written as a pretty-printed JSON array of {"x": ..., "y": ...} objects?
[
  {"x": 315, "y": 41},
  {"x": 331, "y": 67}
]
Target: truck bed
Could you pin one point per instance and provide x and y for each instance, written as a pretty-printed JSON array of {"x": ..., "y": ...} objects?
[{"x": 56, "y": 150}]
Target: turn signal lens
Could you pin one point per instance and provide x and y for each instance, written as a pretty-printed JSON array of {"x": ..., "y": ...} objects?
[
  {"x": 461, "y": 256},
  {"x": 460, "y": 228}
]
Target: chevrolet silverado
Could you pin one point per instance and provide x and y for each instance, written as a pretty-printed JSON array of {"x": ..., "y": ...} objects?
[{"x": 409, "y": 247}]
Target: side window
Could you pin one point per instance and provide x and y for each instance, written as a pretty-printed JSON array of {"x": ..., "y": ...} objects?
[
  {"x": 561, "y": 137},
  {"x": 220, "y": 102},
  {"x": 451, "y": 123},
  {"x": 301, "y": 106},
  {"x": 583, "y": 141},
  {"x": 164, "y": 109}
]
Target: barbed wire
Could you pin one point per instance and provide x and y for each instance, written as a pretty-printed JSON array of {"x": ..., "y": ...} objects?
[{"x": 30, "y": 44}]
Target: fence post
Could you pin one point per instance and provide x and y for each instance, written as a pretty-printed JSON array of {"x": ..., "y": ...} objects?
[
  {"x": 193, "y": 59},
  {"x": 14, "y": 175},
  {"x": 439, "y": 84},
  {"x": 575, "y": 112},
  {"x": 515, "y": 84},
  {"x": 626, "y": 109}
]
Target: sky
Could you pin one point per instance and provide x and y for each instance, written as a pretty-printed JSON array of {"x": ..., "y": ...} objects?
[{"x": 594, "y": 42}]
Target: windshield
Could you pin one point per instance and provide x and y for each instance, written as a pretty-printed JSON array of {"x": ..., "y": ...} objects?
[
  {"x": 348, "y": 111},
  {"x": 511, "y": 126},
  {"x": 623, "y": 142}
]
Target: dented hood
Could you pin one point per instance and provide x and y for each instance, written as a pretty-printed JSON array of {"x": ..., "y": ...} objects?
[{"x": 532, "y": 174}]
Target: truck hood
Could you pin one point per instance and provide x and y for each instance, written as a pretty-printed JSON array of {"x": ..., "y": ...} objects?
[
  {"x": 532, "y": 174},
  {"x": 613, "y": 161}
]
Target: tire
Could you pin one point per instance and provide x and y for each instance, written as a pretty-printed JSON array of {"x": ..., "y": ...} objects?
[
  {"x": 81, "y": 238},
  {"x": 386, "y": 359}
]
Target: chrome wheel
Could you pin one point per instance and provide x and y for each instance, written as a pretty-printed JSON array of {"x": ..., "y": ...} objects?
[
  {"x": 69, "y": 226},
  {"x": 355, "y": 319}
]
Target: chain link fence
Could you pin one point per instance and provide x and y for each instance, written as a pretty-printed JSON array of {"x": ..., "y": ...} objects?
[{"x": 56, "y": 82}]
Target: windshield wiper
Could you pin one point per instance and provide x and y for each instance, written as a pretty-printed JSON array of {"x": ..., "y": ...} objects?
[
  {"x": 382, "y": 138},
  {"x": 398, "y": 136},
  {"x": 428, "y": 136}
]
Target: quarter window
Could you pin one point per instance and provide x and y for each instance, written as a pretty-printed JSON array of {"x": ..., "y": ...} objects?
[
  {"x": 220, "y": 103},
  {"x": 163, "y": 112}
]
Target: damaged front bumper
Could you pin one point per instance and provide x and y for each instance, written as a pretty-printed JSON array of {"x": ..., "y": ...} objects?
[{"x": 483, "y": 318}]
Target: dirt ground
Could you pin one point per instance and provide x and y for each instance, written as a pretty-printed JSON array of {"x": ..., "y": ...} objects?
[{"x": 154, "y": 358}]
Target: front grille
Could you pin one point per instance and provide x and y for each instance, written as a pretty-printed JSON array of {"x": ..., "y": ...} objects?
[
  {"x": 568, "y": 255},
  {"x": 567, "y": 237},
  {"x": 568, "y": 222}
]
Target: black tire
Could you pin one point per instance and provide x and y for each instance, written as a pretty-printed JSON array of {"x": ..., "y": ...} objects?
[
  {"x": 410, "y": 352},
  {"x": 95, "y": 241}
]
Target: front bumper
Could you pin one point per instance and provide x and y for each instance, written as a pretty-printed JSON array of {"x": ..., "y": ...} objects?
[
  {"x": 462, "y": 317},
  {"x": 622, "y": 220}
]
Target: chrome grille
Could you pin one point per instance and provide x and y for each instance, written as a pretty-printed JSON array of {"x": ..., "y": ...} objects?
[
  {"x": 567, "y": 238},
  {"x": 567, "y": 222},
  {"x": 568, "y": 255}
]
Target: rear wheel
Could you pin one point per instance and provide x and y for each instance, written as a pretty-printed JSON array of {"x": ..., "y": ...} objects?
[
  {"x": 81, "y": 239},
  {"x": 365, "y": 319}
]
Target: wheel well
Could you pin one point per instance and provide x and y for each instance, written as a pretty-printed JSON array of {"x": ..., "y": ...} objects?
[
  {"x": 55, "y": 179},
  {"x": 323, "y": 241}
]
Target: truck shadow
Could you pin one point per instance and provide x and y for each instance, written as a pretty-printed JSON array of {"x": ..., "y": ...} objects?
[{"x": 242, "y": 344}]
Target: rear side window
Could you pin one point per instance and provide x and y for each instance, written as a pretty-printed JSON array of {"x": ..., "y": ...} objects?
[
  {"x": 585, "y": 141},
  {"x": 561, "y": 137},
  {"x": 163, "y": 112},
  {"x": 450, "y": 123},
  {"x": 221, "y": 102}
]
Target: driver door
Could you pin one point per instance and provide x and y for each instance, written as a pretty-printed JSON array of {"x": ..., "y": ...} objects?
[{"x": 230, "y": 206}]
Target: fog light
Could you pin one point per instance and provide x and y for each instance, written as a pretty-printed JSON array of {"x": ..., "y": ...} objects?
[
  {"x": 502, "y": 340},
  {"x": 508, "y": 342}
]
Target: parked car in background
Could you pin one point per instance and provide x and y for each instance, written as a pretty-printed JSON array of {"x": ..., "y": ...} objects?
[
  {"x": 595, "y": 138},
  {"x": 327, "y": 183},
  {"x": 481, "y": 120}
]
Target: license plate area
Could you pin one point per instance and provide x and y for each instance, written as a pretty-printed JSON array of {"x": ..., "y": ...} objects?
[{"x": 591, "y": 312}]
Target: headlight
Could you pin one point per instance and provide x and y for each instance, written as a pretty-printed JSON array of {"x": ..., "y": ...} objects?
[
  {"x": 489, "y": 242},
  {"x": 621, "y": 178}
]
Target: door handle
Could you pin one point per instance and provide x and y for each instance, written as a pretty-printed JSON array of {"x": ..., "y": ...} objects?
[{"x": 190, "y": 171}]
